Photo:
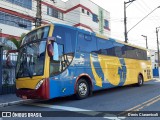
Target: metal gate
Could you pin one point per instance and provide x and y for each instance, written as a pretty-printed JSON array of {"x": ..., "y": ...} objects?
[{"x": 7, "y": 68}]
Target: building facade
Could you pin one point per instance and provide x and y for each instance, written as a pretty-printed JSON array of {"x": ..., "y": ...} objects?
[
  {"x": 154, "y": 58},
  {"x": 84, "y": 14},
  {"x": 18, "y": 16}
]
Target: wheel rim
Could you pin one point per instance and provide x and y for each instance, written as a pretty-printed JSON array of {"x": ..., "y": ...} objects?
[{"x": 82, "y": 89}]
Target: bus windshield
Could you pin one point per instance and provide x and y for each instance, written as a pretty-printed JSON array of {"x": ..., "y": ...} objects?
[{"x": 31, "y": 55}]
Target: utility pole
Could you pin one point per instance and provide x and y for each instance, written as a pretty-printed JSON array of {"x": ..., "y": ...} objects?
[
  {"x": 157, "y": 30},
  {"x": 38, "y": 14},
  {"x": 125, "y": 23},
  {"x": 1, "y": 61},
  {"x": 125, "y": 20},
  {"x": 146, "y": 41}
]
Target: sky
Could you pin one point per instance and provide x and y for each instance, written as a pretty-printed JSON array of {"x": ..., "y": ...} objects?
[{"x": 136, "y": 11}]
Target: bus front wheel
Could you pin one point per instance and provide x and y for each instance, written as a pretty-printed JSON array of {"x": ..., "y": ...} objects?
[
  {"x": 82, "y": 89},
  {"x": 140, "y": 80}
]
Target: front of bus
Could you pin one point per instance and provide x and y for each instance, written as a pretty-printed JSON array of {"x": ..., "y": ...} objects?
[{"x": 33, "y": 64}]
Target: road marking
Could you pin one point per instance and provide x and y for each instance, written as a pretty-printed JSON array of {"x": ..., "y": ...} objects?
[
  {"x": 157, "y": 81},
  {"x": 114, "y": 118},
  {"x": 66, "y": 108},
  {"x": 79, "y": 110},
  {"x": 142, "y": 105}
]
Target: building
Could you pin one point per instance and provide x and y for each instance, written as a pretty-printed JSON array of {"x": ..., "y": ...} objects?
[
  {"x": 154, "y": 58},
  {"x": 18, "y": 16}
]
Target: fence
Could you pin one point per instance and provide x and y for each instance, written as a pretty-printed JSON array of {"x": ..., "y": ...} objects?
[{"x": 7, "y": 80}]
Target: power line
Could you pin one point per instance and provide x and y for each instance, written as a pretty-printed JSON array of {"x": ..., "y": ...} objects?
[{"x": 145, "y": 6}]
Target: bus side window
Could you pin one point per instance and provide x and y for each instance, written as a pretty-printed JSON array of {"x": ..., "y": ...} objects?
[
  {"x": 124, "y": 51},
  {"x": 131, "y": 52},
  {"x": 58, "y": 51},
  {"x": 69, "y": 42},
  {"x": 55, "y": 49},
  {"x": 105, "y": 47},
  {"x": 143, "y": 54},
  {"x": 55, "y": 62},
  {"x": 86, "y": 43},
  {"x": 118, "y": 49}
]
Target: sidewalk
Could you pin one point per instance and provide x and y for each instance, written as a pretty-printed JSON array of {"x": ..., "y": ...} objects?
[
  {"x": 156, "y": 78},
  {"x": 11, "y": 99}
]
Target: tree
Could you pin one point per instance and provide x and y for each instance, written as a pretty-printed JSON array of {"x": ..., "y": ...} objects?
[{"x": 17, "y": 43}]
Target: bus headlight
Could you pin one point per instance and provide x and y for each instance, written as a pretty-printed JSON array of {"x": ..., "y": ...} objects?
[{"x": 39, "y": 84}]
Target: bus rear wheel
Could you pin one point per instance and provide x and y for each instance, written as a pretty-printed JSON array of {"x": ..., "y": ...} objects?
[
  {"x": 82, "y": 89},
  {"x": 140, "y": 80}
]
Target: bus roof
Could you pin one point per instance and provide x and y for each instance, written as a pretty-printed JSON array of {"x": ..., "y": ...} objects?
[
  {"x": 129, "y": 44},
  {"x": 99, "y": 35},
  {"x": 91, "y": 33}
]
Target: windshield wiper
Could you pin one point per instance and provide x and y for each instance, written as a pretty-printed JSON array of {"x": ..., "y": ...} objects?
[{"x": 30, "y": 73}]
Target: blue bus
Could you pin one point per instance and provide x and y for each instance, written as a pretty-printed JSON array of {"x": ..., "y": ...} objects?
[{"x": 57, "y": 60}]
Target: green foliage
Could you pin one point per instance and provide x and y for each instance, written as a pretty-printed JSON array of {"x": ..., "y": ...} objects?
[{"x": 17, "y": 42}]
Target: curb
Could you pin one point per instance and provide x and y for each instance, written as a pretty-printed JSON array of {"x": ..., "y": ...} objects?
[{"x": 16, "y": 102}]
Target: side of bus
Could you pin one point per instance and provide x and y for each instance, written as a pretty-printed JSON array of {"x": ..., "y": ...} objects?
[
  {"x": 107, "y": 63},
  {"x": 99, "y": 64}
]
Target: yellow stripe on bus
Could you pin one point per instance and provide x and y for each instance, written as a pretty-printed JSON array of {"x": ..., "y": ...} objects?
[
  {"x": 97, "y": 78},
  {"x": 109, "y": 66}
]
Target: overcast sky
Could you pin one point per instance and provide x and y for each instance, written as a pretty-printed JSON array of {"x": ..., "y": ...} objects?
[{"x": 135, "y": 12}]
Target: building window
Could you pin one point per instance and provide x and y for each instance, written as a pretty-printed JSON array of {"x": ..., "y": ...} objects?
[
  {"x": 22, "y": 3},
  {"x": 87, "y": 13},
  {"x": 54, "y": 13},
  {"x": 15, "y": 21},
  {"x": 95, "y": 18},
  {"x": 106, "y": 24},
  {"x": 83, "y": 11}
]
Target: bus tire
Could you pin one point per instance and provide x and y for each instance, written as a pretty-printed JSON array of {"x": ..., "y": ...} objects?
[
  {"x": 140, "y": 80},
  {"x": 82, "y": 89}
]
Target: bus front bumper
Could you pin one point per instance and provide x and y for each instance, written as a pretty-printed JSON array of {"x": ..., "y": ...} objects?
[{"x": 41, "y": 93}]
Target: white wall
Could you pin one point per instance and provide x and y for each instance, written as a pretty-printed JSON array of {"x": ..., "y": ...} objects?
[
  {"x": 70, "y": 18},
  {"x": 87, "y": 20},
  {"x": 73, "y": 17},
  {"x": 17, "y": 8},
  {"x": 11, "y": 30},
  {"x": 71, "y": 3}
]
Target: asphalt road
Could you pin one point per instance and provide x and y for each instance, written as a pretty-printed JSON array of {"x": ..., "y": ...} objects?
[{"x": 113, "y": 104}]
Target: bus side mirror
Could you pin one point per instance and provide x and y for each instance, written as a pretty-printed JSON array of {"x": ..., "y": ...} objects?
[
  {"x": 50, "y": 46},
  {"x": 50, "y": 50}
]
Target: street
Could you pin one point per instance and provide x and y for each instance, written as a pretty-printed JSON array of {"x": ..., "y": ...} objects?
[{"x": 100, "y": 105}]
